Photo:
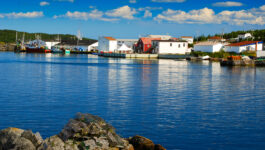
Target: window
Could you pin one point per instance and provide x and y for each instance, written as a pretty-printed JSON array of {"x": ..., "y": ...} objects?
[
  {"x": 183, "y": 44},
  {"x": 179, "y": 45},
  {"x": 170, "y": 44}
]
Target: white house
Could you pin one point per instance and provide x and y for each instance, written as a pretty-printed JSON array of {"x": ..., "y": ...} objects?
[
  {"x": 244, "y": 36},
  {"x": 107, "y": 44},
  {"x": 189, "y": 39},
  {"x": 93, "y": 46},
  {"x": 170, "y": 47},
  {"x": 244, "y": 46},
  {"x": 208, "y": 46}
]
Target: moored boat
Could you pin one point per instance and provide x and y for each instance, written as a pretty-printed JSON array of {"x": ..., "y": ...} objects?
[
  {"x": 37, "y": 46},
  {"x": 56, "y": 50}
]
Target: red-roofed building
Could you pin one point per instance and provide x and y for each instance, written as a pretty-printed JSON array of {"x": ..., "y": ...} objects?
[
  {"x": 144, "y": 45},
  {"x": 107, "y": 44},
  {"x": 244, "y": 46},
  {"x": 216, "y": 39}
]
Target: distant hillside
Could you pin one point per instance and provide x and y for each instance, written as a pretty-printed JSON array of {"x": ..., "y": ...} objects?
[
  {"x": 9, "y": 36},
  {"x": 259, "y": 35}
]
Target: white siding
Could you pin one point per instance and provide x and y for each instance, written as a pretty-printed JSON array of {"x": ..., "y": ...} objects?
[
  {"x": 172, "y": 47},
  {"x": 92, "y": 46},
  {"x": 106, "y": 45},
  {"x": 50, "y": 44},
  {"x": 103, "y": 44},
  {"x": 208, "y": 48},
  {"x": 239, "y": 49},
  {"x": 112, "y": 46}
]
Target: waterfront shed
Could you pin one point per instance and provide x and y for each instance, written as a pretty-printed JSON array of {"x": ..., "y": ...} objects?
[
  {"x": 244, "y": 46},
  {"x": 208, "y": 46},
  {"x": 107, "y": 44},
  {"x": 169, "y": 47}
]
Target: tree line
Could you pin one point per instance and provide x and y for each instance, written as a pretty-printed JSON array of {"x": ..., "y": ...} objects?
[
  {"x": 9, "y": 36},
  {"x": 258, "y": 35}
]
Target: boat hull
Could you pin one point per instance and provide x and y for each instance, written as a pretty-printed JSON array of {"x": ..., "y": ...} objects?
[{"x": 37, "y": 50}]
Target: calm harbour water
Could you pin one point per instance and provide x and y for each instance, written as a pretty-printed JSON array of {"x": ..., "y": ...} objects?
[{"x": 179, "y": 104}]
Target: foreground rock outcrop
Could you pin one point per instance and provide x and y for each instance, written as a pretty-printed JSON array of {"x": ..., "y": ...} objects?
[{"x": 82, "y": 133}]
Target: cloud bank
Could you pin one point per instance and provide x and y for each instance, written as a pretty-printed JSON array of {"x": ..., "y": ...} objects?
[
  {"x": 14, "y": 15},
  {"x": 124, "y": 12},
  {"x": 254, "y": 16}
]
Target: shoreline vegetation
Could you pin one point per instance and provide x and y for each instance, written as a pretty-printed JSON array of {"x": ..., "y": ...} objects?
[{"x": 84, "y": 132}]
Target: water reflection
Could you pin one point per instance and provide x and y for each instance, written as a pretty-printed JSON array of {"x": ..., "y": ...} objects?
[{"x": 179, "y": 104}]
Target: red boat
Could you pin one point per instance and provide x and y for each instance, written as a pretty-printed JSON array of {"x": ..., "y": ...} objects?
[
  {"x": 37, "y": 50},
  {"x": 37, "y": 46}
]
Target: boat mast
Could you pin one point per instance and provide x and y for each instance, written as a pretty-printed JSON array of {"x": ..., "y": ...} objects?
[
  {"x": 16, "y": 37},
  {"x": 22, "y": 42}
]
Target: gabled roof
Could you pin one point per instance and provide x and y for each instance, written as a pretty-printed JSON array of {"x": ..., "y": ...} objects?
[
  {"x": 207, "y": 43},
  {"x": 110, "y": 38},
  {"x": 149, "y": 40},
  {"x": 215, "y": 38},
  {"x": 186, "y": 37},
  {"x": 244, "y": 43}
]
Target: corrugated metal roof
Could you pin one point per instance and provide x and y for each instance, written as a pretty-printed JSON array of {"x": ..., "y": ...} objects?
[
  {"x": 110, "y": 38},
  {"x": 244, "y": 43}
]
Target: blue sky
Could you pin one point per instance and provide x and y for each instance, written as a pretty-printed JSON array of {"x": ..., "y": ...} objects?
[{"x": 132, "y": 18}]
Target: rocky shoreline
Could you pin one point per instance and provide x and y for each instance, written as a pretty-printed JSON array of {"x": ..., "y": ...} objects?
[
  {"x": 84, "y": 132},
  {"x": 7, "y": 47}
]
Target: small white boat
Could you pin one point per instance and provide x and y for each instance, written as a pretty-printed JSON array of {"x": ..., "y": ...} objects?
[{"x": 206, "y": 57}]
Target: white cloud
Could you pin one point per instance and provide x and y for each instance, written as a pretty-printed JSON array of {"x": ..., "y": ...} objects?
[
  {"x": 169, "y": 1},
  {"x": 262, "y": 8},
  {"x": 123, "y": 12},
  {"x": 147, "y": 14},
  {"x": 34, "y": 14},
  {"x": 227, "y": 4},
  {"x": 149, "y": 8},
  {"x": 132, "y": 1},
  {"x": 206, "y": 15},
  {"x": 44, "y": 3},
  {"x": 94, "y": 14}
]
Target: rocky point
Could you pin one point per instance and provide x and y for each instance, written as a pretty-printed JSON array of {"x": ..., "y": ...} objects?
[{"x": 85, "y": 132}]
